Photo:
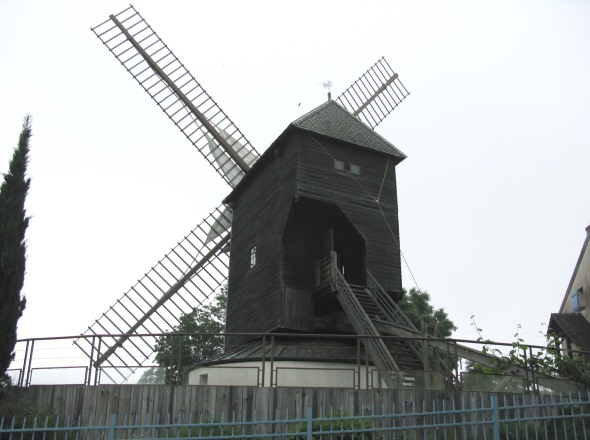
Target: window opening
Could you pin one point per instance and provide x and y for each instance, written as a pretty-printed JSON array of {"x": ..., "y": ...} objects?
[
  {"x": 252, "y": 257},
  {"x": 578, "y": 300},
  {"x": 351, "y": 168}
]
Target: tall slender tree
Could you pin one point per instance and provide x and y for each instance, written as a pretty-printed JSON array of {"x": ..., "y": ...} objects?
[{"x": 13, "y": 225}]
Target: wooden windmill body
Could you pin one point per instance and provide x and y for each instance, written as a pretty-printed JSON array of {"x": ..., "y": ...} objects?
[
  {"x": 312, "y": 222},
  {"x": 323, "y": 194},
  {"x": 327, "y": 184}
]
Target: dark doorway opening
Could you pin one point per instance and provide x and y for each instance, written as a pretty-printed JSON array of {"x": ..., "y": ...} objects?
[{"x": 314, "y": 230}]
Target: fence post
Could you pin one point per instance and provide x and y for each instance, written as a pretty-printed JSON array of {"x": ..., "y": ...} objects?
[
  {"x": 495, "y": 417},
  {"x": 272, "y": 362},
  {"x": 30, "y": 366},
  {"x": 309, "y": 422},
  {"x": 88, "y": 376},
  {"x": 97, "y": 365},
  {"x": 112, "y": 424},
  {"x": 534, "y": 379},
  {"x": 21, "y": 378}
]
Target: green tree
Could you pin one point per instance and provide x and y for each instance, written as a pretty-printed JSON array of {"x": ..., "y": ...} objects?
[
  {"x": 13, "y": 224},
  {"x": 416, "y": 305},
  {"x": 174, "y": 352}
]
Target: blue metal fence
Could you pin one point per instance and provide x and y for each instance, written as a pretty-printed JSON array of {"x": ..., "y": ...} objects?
[{"x": 531, "y": 417}]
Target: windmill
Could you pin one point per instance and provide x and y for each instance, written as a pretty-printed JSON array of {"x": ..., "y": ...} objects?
[{"x": 198, "y": 265}]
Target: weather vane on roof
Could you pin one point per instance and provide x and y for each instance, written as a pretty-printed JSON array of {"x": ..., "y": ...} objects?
[{"x": 328, "y": 86}]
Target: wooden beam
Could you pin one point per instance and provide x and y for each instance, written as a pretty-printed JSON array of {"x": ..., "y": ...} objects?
[{"x": 200, "y": 116}]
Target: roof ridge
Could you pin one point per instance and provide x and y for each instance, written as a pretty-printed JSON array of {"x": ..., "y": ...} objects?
[
  {"x": 312, "y": 112},
  {"x": 333, "y": 120}
]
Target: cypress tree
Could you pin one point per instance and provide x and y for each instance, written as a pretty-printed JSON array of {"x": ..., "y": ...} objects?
[{"x": 13, "y": 224}]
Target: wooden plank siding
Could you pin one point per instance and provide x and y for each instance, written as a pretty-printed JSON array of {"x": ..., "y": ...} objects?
[
  {"x": 144, "y": 404},
  {"x": 285, "y": 208},
  {"x": 259, "y": 215},
  {"x": 355, "y": 195}
]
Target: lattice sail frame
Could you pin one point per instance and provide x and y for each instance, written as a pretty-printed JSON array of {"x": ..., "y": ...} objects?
[
  {"x": 159, "y": 72},
  {"x": 375, "y": 94},
  {"x": 197, "y": 266},
  {"x": 185, "y": 278}
]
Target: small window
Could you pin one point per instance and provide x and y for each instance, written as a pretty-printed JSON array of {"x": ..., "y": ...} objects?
[
  {"x": 355, "y": 169},
  {"x": 339, "y": 165},
  {"x": 578, "y": 300},
  {"x": 252, "y": 257}
]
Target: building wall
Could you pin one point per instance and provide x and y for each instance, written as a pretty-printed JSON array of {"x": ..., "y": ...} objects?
[
  {"x": 276, "y": 292},
  {"x": 579, "y": 284},
  {"x": 288, "y": 374},
  {"x": 255, "y": 293},
  {"x": 356, "y": 195}
]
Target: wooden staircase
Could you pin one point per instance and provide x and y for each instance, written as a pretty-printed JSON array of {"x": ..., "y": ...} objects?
[
  {"x": 362, "y": 324},
  {"x": 406, "y": 353},
  {"x": 373, "y": 313}
]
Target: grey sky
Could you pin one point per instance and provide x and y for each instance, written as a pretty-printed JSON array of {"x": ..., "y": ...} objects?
[{"x": 492, "y": 198}]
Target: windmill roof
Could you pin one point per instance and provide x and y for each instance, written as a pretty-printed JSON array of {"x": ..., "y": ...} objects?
[{"x": 333, "y": 120}]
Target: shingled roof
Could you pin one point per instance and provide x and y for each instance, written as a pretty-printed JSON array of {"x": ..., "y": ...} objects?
[
  {"x": 331, "y": 119},
  {"x": 573, "y": 326}
]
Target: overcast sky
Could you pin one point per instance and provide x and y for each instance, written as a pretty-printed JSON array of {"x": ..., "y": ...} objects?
[{"x": 493, "y": 197}]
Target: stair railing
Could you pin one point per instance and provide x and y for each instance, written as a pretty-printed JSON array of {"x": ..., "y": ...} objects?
[
  {"x": 399, "y": 318},
  {"x": 390, "y": 309},
  {"x": 363, "y": 326},
  {"x": 323, "y": 270}
]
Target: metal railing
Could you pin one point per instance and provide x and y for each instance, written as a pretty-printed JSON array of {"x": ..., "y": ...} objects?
[
  {"x": 55, "y": 360},
  {"x": 525, "y": 417}
]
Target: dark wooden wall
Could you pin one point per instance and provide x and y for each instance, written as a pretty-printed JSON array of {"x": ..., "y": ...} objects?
[
  {"x": 259, "y": 215},
  {"x": 355, "y": 195},
  {"x": 280, "y": 209}
]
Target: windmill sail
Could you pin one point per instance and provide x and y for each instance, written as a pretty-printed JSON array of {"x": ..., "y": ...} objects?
[
  {"x": 232, "y": 173},
  {"x": 197, "y": 266},
  {"x": 375, "y": 94},
  {"x": 153, "y": 65},
  {"x": 185, "y": 278}
]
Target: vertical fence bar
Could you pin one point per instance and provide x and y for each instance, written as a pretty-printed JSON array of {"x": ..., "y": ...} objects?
[
  {"x": 358, "y": 362},
  {"x": 112, "y": 424},
  {"x": 179, "y": 378},
  {"x": 533, "y": 379},
  {"x": 22, "y": 374},
  {"x": 367, "y": 371},
  {"x": 272, "y": 361},
  {"x": 309, "y": 422},
  {"x": 169, "y": 377},
  {"x": 457, "y": 384},
  {"x": 97, "y": 367},
  {"x": 495, "y": 417},
  {"x": 263, "y": 359},
  {"x": 88, "y": 376},
  {"x": 28, "y": 372}
]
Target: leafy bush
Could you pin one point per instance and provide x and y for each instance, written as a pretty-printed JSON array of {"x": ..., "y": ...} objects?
[
  {"x": 23, "y": 413},
  {"x": 335, "y": 426}
]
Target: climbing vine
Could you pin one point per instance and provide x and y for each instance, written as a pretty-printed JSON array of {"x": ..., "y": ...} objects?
[{"x": 548, "y": 360}]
